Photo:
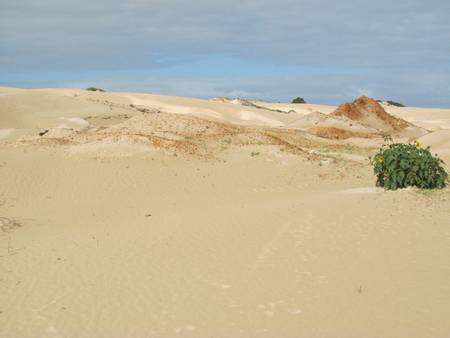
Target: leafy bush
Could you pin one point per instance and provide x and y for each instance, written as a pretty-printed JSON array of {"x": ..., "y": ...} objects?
[
  {"x": 93, "y": 89},
  {"x": 396, "y": 104},
  {"x": 399, "y": 165},
  {"x": 299, "y": 100}
]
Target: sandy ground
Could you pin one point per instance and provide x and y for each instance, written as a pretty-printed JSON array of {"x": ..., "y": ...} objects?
[{"x": 209, "y": 219}]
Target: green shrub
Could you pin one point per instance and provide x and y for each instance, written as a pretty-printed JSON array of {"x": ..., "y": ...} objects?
[
  {"x": 401, "y": 165},
  {"x": 396, "y": 104},
  {"x": 299, "y": 100},
  {"x": 93, "y": 89}
]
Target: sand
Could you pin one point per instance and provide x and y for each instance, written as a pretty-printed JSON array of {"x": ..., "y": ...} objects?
[{"x": 209, "y": 219}]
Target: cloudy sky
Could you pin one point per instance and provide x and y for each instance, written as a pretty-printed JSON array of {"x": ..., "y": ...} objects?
[{"x": 327, "y": 51}]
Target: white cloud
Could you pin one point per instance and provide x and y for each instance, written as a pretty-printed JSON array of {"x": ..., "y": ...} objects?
[{"x": 122, "y": 34}]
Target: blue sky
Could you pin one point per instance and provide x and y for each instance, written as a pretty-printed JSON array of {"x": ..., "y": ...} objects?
[{"x": 327, "y": 51}]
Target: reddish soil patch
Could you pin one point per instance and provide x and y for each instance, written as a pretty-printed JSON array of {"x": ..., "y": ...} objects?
[
  {"x": 369, "y": 111},
  {"x": 337, "y": 133}
]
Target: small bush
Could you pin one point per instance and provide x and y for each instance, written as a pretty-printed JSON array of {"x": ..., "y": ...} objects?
[
  {"x": 93, "y": 89},
  {"x": 396, "y": 104},
  {"x": 299, "y": 100},
  {"x": 399, "y": 165}
]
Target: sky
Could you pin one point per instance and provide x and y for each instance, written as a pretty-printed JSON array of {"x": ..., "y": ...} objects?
[{"x": 327, "y": 51}]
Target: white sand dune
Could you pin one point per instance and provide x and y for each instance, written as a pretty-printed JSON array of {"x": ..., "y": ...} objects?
[
  {"x": 428, "y": 118},
  {"x": 138, "y": 215},
  {"x": 4, "y": 133},
  {"x": 439, "y": 141}
]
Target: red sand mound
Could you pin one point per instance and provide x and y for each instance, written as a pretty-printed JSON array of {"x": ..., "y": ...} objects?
[{"x": 369, "y": 112}]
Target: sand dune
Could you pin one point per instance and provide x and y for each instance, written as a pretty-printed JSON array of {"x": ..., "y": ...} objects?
[
  {"x": 138, "y": 215},
  {"x": 439, "y": 141}
]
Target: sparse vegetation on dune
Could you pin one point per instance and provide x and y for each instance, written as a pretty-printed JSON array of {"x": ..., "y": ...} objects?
[
  {"x": 392, "y": 103},
  {"x": 396, "y": 104},
  {"x": 299, "y": 100},
  {"x": 94, "y": 89}
]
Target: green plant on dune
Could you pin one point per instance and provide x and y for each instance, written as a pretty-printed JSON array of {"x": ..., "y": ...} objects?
[
  {"x": 299, "y": 100},
  {"x": 394, "y": 103},
  {"x": 399, "y": 165},
  {"x": 93, "y": 89}
]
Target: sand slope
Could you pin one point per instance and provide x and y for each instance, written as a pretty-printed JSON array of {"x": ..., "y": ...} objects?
[{"x": 439, "y": 141}]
